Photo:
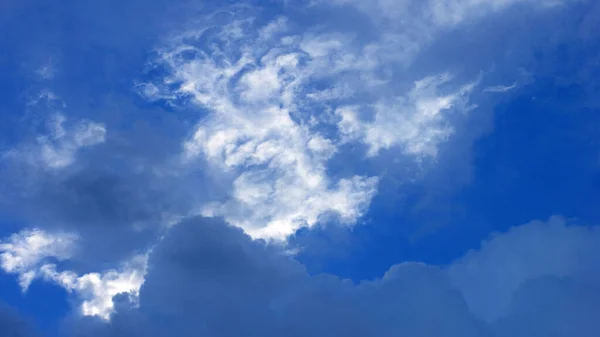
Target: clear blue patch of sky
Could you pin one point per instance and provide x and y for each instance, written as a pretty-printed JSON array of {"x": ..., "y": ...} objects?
[{"x": 44, "y": 303}]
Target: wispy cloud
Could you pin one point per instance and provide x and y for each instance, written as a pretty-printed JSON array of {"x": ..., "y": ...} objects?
[
  {"x": 500, "y": 88},
  {"x": 58, "y": 147},
  {"x": 257, "y": 126},
  {"x": 269, "y": 102},
  {"x": 415, "y": 122}
]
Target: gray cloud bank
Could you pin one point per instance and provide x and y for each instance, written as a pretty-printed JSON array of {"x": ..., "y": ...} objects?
[{"x": 209, "y": 279}]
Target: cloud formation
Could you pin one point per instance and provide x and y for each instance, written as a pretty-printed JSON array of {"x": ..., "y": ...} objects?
[
  {"x": 24, "y": 253},
  {"x": 271, "y": 106},
  {"x": 57, "y": 147},
  {"x": 277, "y": 105},
  {"x": 34, "y": 254},
  {"x": 211, "y": 279}
]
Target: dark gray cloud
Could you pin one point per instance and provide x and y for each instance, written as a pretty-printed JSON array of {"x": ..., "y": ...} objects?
[{"x": 206, "y": 278}]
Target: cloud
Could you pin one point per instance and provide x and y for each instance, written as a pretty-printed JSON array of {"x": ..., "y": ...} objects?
[
  {"x": 58, "y": 148},
  {"x": 278, "y": 105},
  {"x": 210, "y": 279},
  {"x": 489, "y": 277},
  {"x": 500, "y": 88},
  {"x": 23, "y": 253},
  {"x": 273, "y": 106},
  {"x": 59, "y": 179},
  {"x": 251, "y": 129},
  {"x": 416, "y": 121},
  {"x": 34, "y": 254},
  {"x": 78, "y": 196},
  {"x": 270, "y": 98},
  {"x": 95, "y": 291}
]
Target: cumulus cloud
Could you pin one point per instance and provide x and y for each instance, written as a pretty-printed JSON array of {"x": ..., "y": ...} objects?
[
  {"x": 210, "y": 279},
  {"x": 490, "y": 276}
]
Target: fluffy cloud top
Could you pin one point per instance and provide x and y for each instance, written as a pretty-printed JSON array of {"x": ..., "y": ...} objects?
[{"x": 210, "y": 279}]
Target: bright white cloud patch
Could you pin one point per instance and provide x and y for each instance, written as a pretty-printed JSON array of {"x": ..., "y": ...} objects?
[
  {"x": 23, "y": 253},
  {"x": 416, "y": 122},
  {"x": 271, "y": 99},
  {"x": 33, "y": 254},
  {"x": 96, "y": 290},
  {"x": 254, "y": 127}
]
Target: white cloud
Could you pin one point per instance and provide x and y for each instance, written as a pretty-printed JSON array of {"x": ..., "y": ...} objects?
[
  {"x": 255, "y": 130},
  {"x": 500, "y": 88},
  {"x": 24, "y": 252},
  {"x": 416, "y": 122},
  {"x": 57, "y": 149},
  {"x": 95, "y": 291},
  {"x": 30, "y": 254},
  {"x": 267, "y": 111}
]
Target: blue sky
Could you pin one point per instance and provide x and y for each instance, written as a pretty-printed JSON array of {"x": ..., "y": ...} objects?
[{"x": 322, "y": 168}]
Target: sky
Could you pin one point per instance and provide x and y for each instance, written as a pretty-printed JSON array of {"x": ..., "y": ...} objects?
[{"x": 300, "y": 168}]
